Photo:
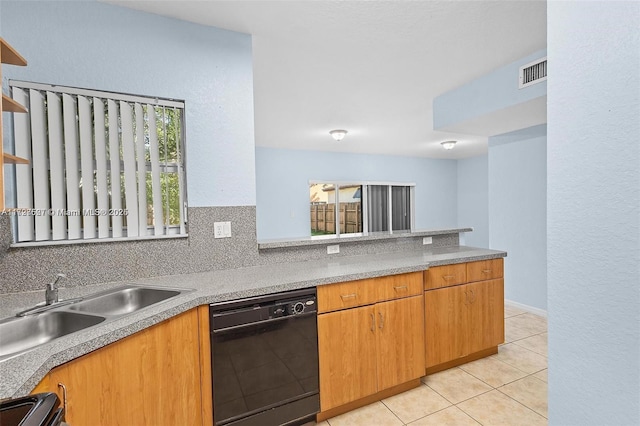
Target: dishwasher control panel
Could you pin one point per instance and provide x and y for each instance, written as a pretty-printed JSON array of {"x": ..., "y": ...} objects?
[{"x": 293, "y": 307}]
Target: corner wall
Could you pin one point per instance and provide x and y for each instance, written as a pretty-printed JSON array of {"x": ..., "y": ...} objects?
[
  {"x": 594, "y": 213},
  {"x": 473, "y": 199},
  {"x": 96, "y": 45},
  {"x": 517, "y": 212}
]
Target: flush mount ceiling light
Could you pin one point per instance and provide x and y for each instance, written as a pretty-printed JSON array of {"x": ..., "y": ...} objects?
[
  {"x": 338, "y": 135},
  {"x": 448, "y": 144}
]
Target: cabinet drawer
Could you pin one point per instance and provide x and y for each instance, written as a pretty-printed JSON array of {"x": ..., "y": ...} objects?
[
  {"x": 444, "y": 276},
  {"x": 398, "y": 286},
  {"x": 333, "y": 297},
  {"x": 484, "y": 270}
]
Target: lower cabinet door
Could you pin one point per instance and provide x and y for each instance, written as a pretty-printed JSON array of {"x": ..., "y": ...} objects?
[
  {"x": 462, "y": 320},
  {"x": 347, "y": 356},
  {"x": 149, "y": 378},
  {"x": 400, "y": 341},
  {"x": 445, "y": 325},
  {"x": 486, "y": 314}
]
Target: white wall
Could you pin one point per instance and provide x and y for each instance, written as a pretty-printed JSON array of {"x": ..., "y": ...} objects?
[
  {"x": 473, "y": 199},
  {"x": 594, "y": 213},
  {"x": 489, "y": 93},
  {"x": 517, "y": 212},
  {"x": 283, "y": 177}
]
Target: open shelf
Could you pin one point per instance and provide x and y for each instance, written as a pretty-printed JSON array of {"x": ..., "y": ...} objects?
[
  {"x": 9, "y": 55},
  {"x": 12, "y": 159},
  {"x": 9, "y": 105}
]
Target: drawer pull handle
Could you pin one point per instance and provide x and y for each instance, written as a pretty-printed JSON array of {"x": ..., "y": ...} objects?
[
  {"x": 348, "y": 296},
  {"x": 400, "y": 287},
  {"x": 373, "y": 322},
  {"x": 448, "y": 277},
  {"x": 486, "y": 271},
  {"x": 381, "y": 320},
  {"x": 64, "y": 397}
]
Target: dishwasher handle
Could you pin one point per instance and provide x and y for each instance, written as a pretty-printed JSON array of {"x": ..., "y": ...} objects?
[{"x": 260, "y": 323}]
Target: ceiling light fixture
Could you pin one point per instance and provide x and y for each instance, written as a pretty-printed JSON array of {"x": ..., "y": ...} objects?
[
  {"x": 448, "y": 144},
  {"x": 338, "y": 135}
]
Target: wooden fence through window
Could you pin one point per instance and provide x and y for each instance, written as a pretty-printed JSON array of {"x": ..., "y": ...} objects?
[{"x": 323, "y": 218}]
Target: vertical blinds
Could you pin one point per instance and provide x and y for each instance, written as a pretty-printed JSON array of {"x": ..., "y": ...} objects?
[{"x": 102, "y": 165}]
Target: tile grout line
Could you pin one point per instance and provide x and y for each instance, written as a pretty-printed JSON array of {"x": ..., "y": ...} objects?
[
  {"x": 460, "y": 402},
  {"x": 526, "y": 406},
  {"x": 392, "y": 412}
]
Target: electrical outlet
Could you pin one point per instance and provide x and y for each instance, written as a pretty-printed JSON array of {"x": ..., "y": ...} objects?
[
  {"x": 218, "y": 230},
  {"x": 427, "y": 240},
  {"x": 221, "y": 229},
  {"x": 333, "y": 249}
]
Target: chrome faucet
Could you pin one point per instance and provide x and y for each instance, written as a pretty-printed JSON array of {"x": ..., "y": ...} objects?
[
  {"x": 51, "y": 299},
  {"x": 51, "y": 292}
]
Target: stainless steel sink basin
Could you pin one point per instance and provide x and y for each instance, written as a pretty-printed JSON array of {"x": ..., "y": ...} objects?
[
  {"x": 18, "y": 335},
  {"x": 123, "y": 301},
  {"x": 41, "y": 325}
]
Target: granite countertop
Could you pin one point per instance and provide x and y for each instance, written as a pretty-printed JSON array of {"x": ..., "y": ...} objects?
[
  {"x": 20, "y": 374},
  {"x": 355, "y": 238}
]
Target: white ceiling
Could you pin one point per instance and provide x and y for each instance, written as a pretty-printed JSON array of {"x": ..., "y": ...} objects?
[{"x": 371, "y": 67}]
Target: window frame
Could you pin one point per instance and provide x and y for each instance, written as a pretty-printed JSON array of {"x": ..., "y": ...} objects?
[
  {"x": 365, "y": 207},
  {"x": 177, "y": 167}
]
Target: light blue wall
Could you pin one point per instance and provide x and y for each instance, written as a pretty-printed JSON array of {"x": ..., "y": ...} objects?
[
  {"x": 473, "y": 199},
  {"x": 283, "y": 193},
  {"x": 491, "y": 92},
  {"x": 594, "y": 213},
  {"x": 517, "y": 212},
  {"x": 100, "y": 46}
]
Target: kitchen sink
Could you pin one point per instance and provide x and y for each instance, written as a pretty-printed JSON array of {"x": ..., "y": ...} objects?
[
  {"x": 123, "y": 301},
  {"x": 43, "y": 324},
  {"x": 20, "y": 334}
]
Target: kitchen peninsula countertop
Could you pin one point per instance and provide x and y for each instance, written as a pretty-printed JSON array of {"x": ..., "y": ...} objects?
[{"x": 20, "y": 374}]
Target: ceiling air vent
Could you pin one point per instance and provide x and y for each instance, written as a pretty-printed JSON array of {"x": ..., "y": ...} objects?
[{"x": 533, "y": 72}]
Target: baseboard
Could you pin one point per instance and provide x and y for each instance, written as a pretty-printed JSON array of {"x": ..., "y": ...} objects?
[
  {"x": 383, "y": 394},
  {"x": 463, "y": 360},
  {"x": 527, "y": 308}
]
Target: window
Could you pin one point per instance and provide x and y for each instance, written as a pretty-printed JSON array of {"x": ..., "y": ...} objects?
[
  {"x": 359, "y": 208},
  {"x": 101, "y": 165}
]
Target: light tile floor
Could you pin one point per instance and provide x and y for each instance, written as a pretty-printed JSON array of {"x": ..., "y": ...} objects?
[{"x": 509, "y": 388}]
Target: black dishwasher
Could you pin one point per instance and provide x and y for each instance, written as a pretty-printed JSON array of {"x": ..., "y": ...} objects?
[
  {"x": 264, "y": 354},
  {"x": 42, "y": 409}
]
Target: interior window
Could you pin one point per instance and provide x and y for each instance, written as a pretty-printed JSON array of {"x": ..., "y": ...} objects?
[{"x": 361, "y": 208}]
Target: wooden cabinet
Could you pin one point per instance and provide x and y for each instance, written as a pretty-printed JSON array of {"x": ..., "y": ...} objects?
[
  {"x": 485, "y": 270},
  {"x": 333, "y": 297},
  {"x": 400, "y": 341},
  {"x": 465, "y": 321},
  {"x": 8, "y": 55},
  {"x": 367, "y": 350},
  {"x": 445, "y": 276},
  {"x": 158, "y": 376},
  {"x": 347, "y": 354}
]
